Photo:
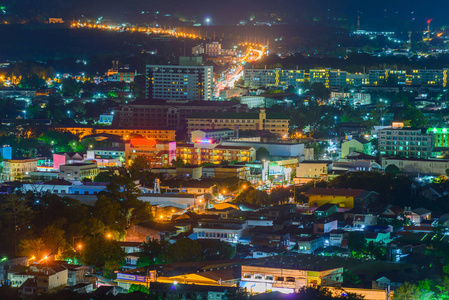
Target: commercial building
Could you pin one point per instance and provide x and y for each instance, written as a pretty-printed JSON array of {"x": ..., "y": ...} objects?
[
  {"x": 158, "y": 154},
  {"x": 272, "y": 122},
  {"x": 405, "y": 142},
  {"x": 289, "y": 274},
  {"x": 162, "y": 134},
  {"x": 156, "y": 114},
  {"x": 207, "y": 152},
  {"x": 17, "y": 169},
  {"x": 286, "y": 149},
  {"x": 192, "y": 82},
  {"x": 78, "y": 171}
]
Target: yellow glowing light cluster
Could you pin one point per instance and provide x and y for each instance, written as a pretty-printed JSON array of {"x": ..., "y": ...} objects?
[{"x": 133, "y": 29}]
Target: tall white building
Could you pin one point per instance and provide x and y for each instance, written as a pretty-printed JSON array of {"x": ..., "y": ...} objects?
[{"x": 189, "y": 81}]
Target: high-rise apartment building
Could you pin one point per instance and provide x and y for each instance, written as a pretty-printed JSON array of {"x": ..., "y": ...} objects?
[{"x": 188, "y": 81}]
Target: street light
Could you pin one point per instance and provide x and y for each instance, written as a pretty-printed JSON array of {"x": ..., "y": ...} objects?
[
  {"x": 68, "y": 112},
  {"x": 24, "y": 113},
  {"x": 207, "y": 21}
]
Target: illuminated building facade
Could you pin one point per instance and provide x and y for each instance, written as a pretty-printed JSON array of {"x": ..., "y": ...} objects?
[
  {"x": 274, "y": 78},
  {"x": 429, "y": 77},
  {"x": 183, "y": 82},
  {"x": 440, "y": 137},
  {"x": 405, "y": 142},
  {"x": 16, "y": 169},
  {"x": 382, "y": 77},
  {"x": 213, "y": 49},
  {"x": 272, "y": 122},
  {"x": 125, "y": 133},
  {"x": 290, "y": 274},
  {"x": 205, "y": 151},
  {"x": 328, "y": 77},
  {"x": 159, "y": 154}
]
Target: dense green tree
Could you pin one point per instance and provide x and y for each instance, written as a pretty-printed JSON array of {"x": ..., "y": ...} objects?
[
  {"x": 409, "y": 291},
  {"x": 217, "y": 250},
  {"x": 16, "y": 215},
  {"x": 263, "y": 154},
  {"x": 98, "y": 250},
  {"x": 320, "y": 91},
  {"x": 393, "y": 170},
  {"x": 138, "y": 288},
  {"x": 178, "y": 163},
  {"x": 280, "y": 195},
  {"x": 154, "y": 253},
  {"x": 356, "y": 241},
  {"x": 70, "y": 87},
  {"x": 185, "y": 250},
  {"x": 104, "y": 176},
  {"x": 258, "y": 197},
  {"x": 141, "y": 162}
]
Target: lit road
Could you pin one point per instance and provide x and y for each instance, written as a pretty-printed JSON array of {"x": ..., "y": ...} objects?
[{"x": 228, "y": 79}]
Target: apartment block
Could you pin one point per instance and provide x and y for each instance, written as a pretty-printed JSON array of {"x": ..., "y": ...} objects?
[{"x": 182, "y": 82}]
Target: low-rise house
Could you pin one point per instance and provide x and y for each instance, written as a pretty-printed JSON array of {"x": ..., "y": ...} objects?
[
  {"x": 377, "y": 237},
  {"x": 418, "y": 215},
  {"x": 324, "y": 226},
  {"x": 224, "y": 230},
  {"x": 361, "y": 221},
  {"x": 357, "y": 144},
  {"x": 308, "y": 245},
  {"x": 336, "y": 237},
  {"x": 266, "y": 252},
  {"x": 325, "y": 210},
  {"x": 150, "y": 230},
  {"x": 131, "y": 247}
]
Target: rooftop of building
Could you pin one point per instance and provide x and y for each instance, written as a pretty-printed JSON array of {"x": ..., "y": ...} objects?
[
  {"x": 232, "y": 115},
  {"x": 155, "y": 102},
  {"x": 334, "y": 192},
  {"x": 305, "y": 262},
  {"x": 325, "y": 207},
  {"x": 79, "y": 165}
]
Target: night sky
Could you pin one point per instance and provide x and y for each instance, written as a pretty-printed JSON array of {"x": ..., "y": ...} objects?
[{"x": 232, "y": 10}]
